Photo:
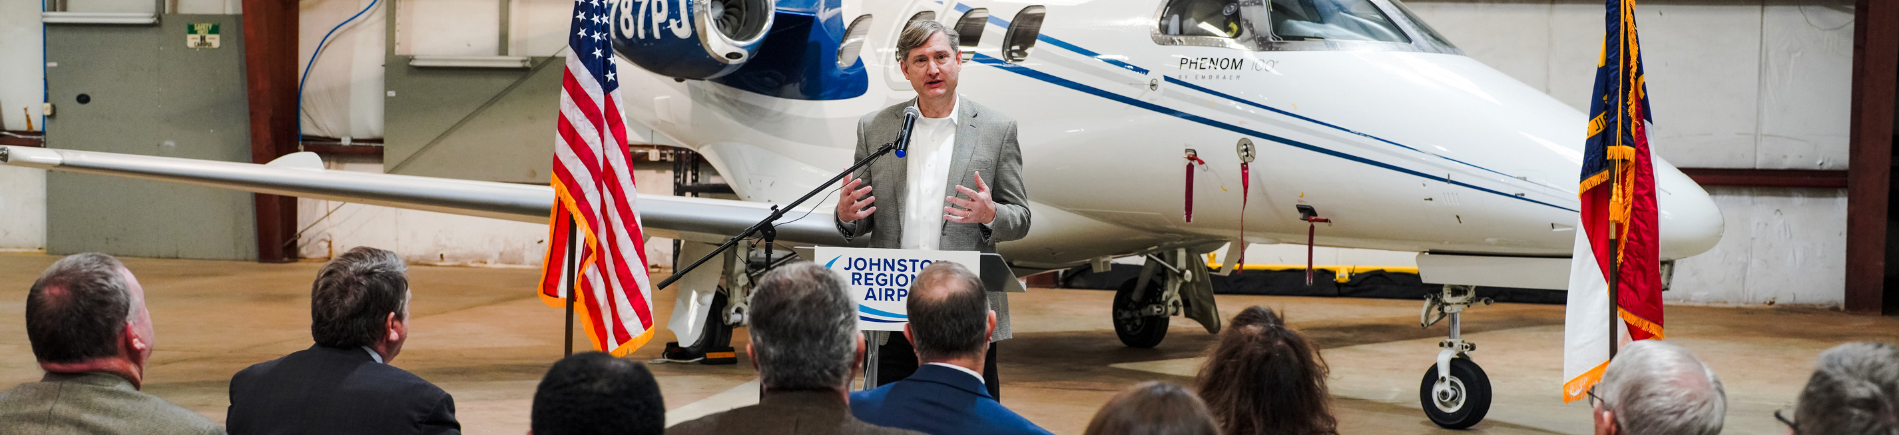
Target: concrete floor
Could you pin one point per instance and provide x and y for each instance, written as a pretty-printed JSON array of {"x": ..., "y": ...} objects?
[{"x": 482, "y": 335}]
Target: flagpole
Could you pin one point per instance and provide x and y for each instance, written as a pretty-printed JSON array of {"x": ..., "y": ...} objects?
[
  {"x": 572, "y": 279},
  {"x": 1615, "y": 263}
]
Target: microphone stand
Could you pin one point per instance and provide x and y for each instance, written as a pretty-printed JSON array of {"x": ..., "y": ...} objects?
[{"x": 765, "y": 228}]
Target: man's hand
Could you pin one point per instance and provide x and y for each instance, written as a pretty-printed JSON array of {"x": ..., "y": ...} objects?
[
  {"x": 855, "y": 204},
  {"x": 978, "y": 209}
]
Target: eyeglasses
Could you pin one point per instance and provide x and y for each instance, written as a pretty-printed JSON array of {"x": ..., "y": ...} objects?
[
  {"x": 1781, "y": 414},
  {"x": 1595, "y": 400}
]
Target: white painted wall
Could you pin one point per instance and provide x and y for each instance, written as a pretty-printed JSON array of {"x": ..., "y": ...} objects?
[
  {"x": 22, "y": 79},
  {"x": 22, "y": 191},
  {"x": 22, "y": 209},
  {"x": 1782, "y": 246},
  {"x": 1742, "y": 84}
]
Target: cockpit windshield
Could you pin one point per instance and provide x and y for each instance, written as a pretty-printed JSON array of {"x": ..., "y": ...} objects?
[
  {"x": 1273, "y": 24},
  {"x": 1216, "y": 18},
  {"x": 1333, "y": 20}
]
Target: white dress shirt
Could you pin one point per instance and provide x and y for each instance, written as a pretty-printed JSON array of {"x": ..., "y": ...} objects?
[
  {"x": 961, "y": 369},
  {"x": 373, "y": 355},
  {"x": 932, "y": 146}
]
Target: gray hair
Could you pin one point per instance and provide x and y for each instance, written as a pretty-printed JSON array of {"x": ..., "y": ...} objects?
[
  {"x": 804, "y": 329},
  {"x": 1854, "y": 389},
  {"x": 949, "y": 312},
  {"x": 918, "y": 33},
  {"x": 1659, "y": 388},
  {"x": 353, "y": 296},
  {"x": 78, "y": 308}
]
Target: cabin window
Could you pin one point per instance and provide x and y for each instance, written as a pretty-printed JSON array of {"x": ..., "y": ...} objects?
[
  {"x": 853, "y": 43},
  {"x": 1215, "y": 18},
  {"x": 1332, "y": 20},
  {"x": 1023, "y": 31},
  {"x": 969, "y": 31}
]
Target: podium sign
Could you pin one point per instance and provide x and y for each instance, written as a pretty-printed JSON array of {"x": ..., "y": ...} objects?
[{"x": 880, "y": 279}]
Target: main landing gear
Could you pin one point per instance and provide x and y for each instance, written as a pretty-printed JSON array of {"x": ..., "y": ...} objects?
[
  {"x": 1455, "y": 392},
  {"x": 1171, "y": 282}
]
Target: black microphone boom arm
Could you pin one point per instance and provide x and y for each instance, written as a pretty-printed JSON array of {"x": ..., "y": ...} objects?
[{"x": 765, "y": 227}]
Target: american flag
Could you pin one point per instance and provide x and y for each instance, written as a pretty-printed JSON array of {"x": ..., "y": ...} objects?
[
  {"x": 596, "y": 200},
  {"x": 1617, "y": 248}
]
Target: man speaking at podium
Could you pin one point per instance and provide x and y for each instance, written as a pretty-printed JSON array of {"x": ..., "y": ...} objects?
[{"x": 958, "y": 188}]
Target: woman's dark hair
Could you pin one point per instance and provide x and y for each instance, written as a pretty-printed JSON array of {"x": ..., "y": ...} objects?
[
  {"x": 1265, "y": 378},
  {"x": 1153, "y": 408}
]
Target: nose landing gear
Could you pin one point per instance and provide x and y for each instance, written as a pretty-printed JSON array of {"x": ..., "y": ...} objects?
[{"x": 1454, "y": 393}]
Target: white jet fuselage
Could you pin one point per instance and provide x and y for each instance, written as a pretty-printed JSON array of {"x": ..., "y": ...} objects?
[{"x": 1401, "y": 150}]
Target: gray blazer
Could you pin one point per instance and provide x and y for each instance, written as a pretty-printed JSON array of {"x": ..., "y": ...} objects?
[
  {"x": 93, "y": 403},
  {"x": 986, "y": 143}
]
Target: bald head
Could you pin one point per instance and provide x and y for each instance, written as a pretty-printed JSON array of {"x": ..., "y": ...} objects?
[{"x": 949, "y": 312}]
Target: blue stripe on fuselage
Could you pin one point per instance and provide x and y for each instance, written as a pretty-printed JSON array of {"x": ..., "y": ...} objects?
[
  {"x": 1058, "y": 81},
  {"x": 1162, "y": 109}
]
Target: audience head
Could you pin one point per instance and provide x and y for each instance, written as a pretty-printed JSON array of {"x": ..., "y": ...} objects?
[
  {"x": 594, "y": 393},
  {"x": 1263, "y": 377},
  {"x": 361, "y": 299},
  {"x": 87, "y": 313},
  {"x": 1153, "y": 408},
  {"x": 949, "y": 314},
  {"x": 1652, "y": 387},
  {"x": 804, "y": 330},
  {"x": 1854, "y": 389}
]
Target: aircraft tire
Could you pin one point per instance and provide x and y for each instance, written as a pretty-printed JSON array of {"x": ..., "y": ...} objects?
[
  {"x": 1143, "y": 332},
  {"x": 1469, "y": 402}
]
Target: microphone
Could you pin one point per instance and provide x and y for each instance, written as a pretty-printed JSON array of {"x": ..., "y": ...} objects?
[{"x": 910, "y": 115}]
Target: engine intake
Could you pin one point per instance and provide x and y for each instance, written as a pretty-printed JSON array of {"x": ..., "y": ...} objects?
[{"x": 690, "y": 39}]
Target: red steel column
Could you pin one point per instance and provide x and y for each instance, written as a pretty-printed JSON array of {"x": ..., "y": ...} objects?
[
  {"x": 1869, "y": 168},
  {"x": 270, "y": 70}
]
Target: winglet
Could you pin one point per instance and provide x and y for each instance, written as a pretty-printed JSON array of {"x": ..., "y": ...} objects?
[{"x": 301, "y": 160}]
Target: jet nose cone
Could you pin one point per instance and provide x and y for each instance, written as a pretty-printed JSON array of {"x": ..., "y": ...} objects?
[{"x": 1690, "y": 221}]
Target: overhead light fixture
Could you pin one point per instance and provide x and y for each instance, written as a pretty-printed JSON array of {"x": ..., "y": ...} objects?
[{"x": 469, "y": 62}]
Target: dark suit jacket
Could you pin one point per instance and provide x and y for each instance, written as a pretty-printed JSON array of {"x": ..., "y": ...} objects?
[
  {"x": 791, "y": 413},
  {"x": 939, "y": 401},
  {"x": 93, "y": 403},
  {"x": 324, "y": 390}
]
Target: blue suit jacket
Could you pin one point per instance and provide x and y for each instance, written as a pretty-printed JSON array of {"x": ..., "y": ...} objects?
[{"x": 940, "y": 401}]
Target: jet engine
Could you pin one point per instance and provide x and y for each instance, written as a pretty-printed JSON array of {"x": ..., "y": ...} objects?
[{"x": 690, "y": 39}]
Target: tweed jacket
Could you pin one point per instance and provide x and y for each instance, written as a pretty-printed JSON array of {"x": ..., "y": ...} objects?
[
  {"x": 985, "y": 143},
  {"x": 93, "y": 403},
  {"x": 787, "y": 413}
]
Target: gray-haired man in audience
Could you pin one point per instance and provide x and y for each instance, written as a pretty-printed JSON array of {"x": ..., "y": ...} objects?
[
  {"x": 1656, "y": 388},
  {"x": 1854, "y": 390},
  {"x": 90, "y": 331},
  {"x": 806, "y": 348}
]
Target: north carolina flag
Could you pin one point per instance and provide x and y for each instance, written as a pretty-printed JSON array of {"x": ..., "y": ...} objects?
[{"x": 1619, "y": 238}]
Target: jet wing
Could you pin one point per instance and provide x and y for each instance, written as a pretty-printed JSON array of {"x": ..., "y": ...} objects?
[{"x": 302, "y": 175}]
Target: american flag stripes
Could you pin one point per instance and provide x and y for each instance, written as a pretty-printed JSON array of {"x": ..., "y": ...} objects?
[
  {"x": 1618, "y": 247},
  {"x": 596, "y": 200}
]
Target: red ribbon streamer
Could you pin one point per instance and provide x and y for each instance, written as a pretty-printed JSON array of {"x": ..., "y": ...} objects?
[
  {"x": 1191, "y": 160},
  {"x": 1246, "y": 189}
]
